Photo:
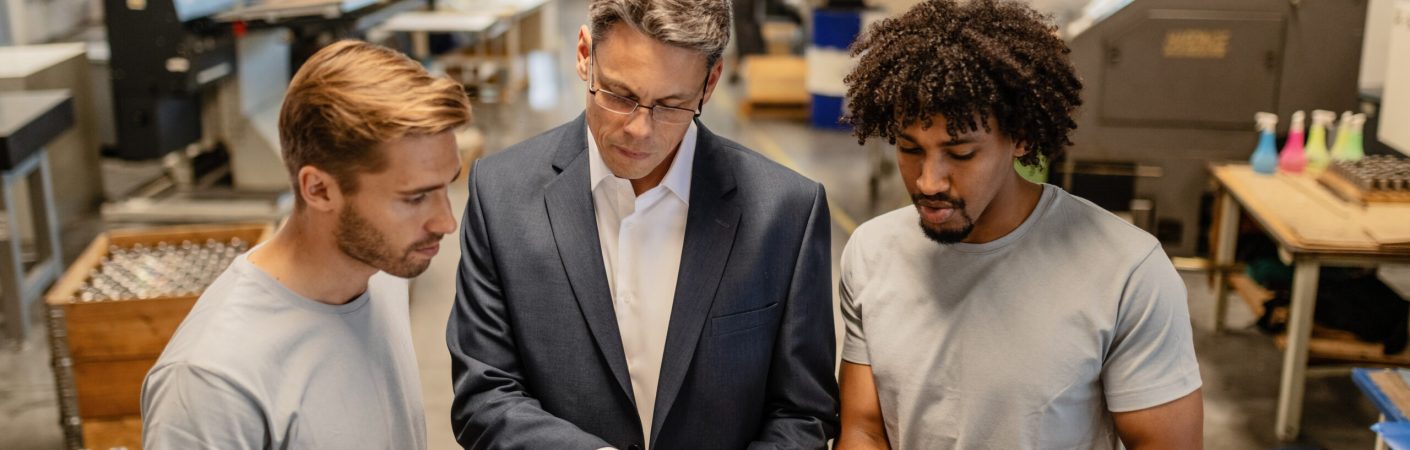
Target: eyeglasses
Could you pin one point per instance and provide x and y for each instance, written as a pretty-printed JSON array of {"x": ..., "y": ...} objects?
[{"x": 626, "y": 106}]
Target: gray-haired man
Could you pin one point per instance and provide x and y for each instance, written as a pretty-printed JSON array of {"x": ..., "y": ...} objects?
[{"x": 632, "y": 280}]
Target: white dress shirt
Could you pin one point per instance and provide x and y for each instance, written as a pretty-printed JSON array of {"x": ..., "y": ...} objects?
[{"x": 641, "y": 238}]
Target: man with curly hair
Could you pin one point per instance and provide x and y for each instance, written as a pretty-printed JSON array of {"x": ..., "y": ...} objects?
[{"x": 1018, "y": 316}]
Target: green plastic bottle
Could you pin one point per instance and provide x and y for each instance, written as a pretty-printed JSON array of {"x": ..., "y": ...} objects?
[
  {"x": 1317, "y": 155},
  {"x": 1341, "y": 148},
  {"x": 1355, "y": 145}
]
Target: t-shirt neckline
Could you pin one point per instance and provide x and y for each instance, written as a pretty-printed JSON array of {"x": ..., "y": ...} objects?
[
  {"x": 243, "y": 264},
  {"x": 1045, "y": 200}
]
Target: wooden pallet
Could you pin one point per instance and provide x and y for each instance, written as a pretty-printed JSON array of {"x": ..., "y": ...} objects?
[
  {"x": 103, "y": 350},
  {"x": 775, "y": 86},
  {"x": 1326, "y": 344}
]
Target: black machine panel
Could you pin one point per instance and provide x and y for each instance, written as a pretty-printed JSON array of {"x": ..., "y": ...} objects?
[{"x": 164, "y": 53}]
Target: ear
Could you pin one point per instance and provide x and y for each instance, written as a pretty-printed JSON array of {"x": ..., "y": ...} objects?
[
  {"x": 715, "y": 73},
  {"x": 584, "y": 51},
  {"x": 1020, "y": 149},
  {"x": 319, "y": 189}
]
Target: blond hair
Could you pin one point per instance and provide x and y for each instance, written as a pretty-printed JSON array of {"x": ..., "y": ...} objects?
[
  {"x": 350, "y": 98},
  {"x": 700, "y": 25}
]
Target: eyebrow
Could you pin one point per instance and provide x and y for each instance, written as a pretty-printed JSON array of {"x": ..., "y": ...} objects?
[
  {"x": 958, "y": 141},
  {"x": 962, "y": 140},
  {"x": 425, "y": 189}
]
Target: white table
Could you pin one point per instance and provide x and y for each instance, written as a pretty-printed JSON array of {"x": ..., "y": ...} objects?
[{"x": 420, "y": 23}]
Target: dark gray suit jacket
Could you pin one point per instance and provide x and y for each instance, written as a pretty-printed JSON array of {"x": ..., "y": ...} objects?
[{"x": 537, "y": 356}]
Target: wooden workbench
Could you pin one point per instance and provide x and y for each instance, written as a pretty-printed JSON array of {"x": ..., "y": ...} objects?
[{"x": 1312, "y": 227}]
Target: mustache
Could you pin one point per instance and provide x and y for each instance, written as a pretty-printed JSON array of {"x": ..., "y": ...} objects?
[{"x": 938, "y": 200}]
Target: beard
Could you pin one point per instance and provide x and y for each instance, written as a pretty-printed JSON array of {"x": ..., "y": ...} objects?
[
  {"x": 935, "y": 232},
  {"x": 360, "y": 240}
]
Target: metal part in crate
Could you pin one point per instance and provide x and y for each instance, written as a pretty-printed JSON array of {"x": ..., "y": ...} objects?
[
  {"x": 166, "y": 270},
  {"x": 1377, "y": 173},
  {"x": 1375, "y": 178}
]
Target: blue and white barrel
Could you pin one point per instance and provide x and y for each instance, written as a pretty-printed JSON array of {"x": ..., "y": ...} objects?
[{"x": 829, "y": 62}]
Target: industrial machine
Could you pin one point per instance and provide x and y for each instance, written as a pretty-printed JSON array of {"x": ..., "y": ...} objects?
[
  {"x": 197, "y": 86},
  {"x": 1172, "y": 85},
  {"x": 164, "y": 55}
]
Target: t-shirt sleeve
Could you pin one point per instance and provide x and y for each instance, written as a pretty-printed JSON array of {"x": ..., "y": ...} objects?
[
  {"x": 185, "y": 407},
  {"x": 1151, "y": 360},
  {"x": 854, "y": 343}
]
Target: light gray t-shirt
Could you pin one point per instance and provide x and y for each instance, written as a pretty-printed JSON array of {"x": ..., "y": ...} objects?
[
  {"x": 1025, "y": 342},
  {"x": 256, "y": 366}
]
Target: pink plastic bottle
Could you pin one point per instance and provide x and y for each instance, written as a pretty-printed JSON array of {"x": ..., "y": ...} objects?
[{"x": 1294, "y": 159}]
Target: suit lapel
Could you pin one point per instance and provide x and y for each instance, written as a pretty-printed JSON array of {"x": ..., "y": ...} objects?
[
  {"x": 709, "y": 236},
  {"x": 570, "y": 215}
]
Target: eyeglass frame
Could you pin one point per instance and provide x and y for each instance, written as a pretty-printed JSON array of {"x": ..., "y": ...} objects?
[{"x": 592, "y": 80}]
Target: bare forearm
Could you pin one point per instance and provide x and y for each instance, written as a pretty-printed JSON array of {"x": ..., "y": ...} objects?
[
  {"x": 857, "y": 439},
  {"x": 1184, "y": 445},
  {"x": 1178, "y": 425},
  {"x": 862, "y": 424}
]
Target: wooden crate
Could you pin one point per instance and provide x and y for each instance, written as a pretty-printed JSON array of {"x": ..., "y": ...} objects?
[
  {"x": 103, "y": 350},
  {"x": 775, "y": 86},
  {"x": 105, "y": 434}
]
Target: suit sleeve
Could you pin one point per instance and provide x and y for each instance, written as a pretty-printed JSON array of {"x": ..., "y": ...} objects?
[
  {"x": 802, "y": 391},
  {"x": 492, "y": 409}
]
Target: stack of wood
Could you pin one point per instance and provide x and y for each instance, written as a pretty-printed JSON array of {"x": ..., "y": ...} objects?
[{"x": 775, "y": 86}]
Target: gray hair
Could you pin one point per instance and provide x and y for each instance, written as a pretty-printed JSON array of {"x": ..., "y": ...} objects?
[{"x": 700, "y": 25}]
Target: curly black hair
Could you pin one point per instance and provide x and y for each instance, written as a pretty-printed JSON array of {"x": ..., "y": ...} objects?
[{"x": 966, "y": 61}]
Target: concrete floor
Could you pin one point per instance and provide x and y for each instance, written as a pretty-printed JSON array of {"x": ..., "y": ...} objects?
[{"x": 1240, "y": 367}]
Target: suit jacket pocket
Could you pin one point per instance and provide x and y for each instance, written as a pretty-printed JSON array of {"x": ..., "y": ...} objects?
[{"x": 740, "y": 321}]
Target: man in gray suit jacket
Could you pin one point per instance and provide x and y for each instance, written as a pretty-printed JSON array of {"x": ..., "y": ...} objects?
[{"x": 631, "y": 280}]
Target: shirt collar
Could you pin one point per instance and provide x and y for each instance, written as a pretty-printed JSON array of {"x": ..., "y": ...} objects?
[{"x": 677, "y": 179}]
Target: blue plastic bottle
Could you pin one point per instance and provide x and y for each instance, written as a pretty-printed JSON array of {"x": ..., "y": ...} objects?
[{"x": 1265, "y": 157}]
